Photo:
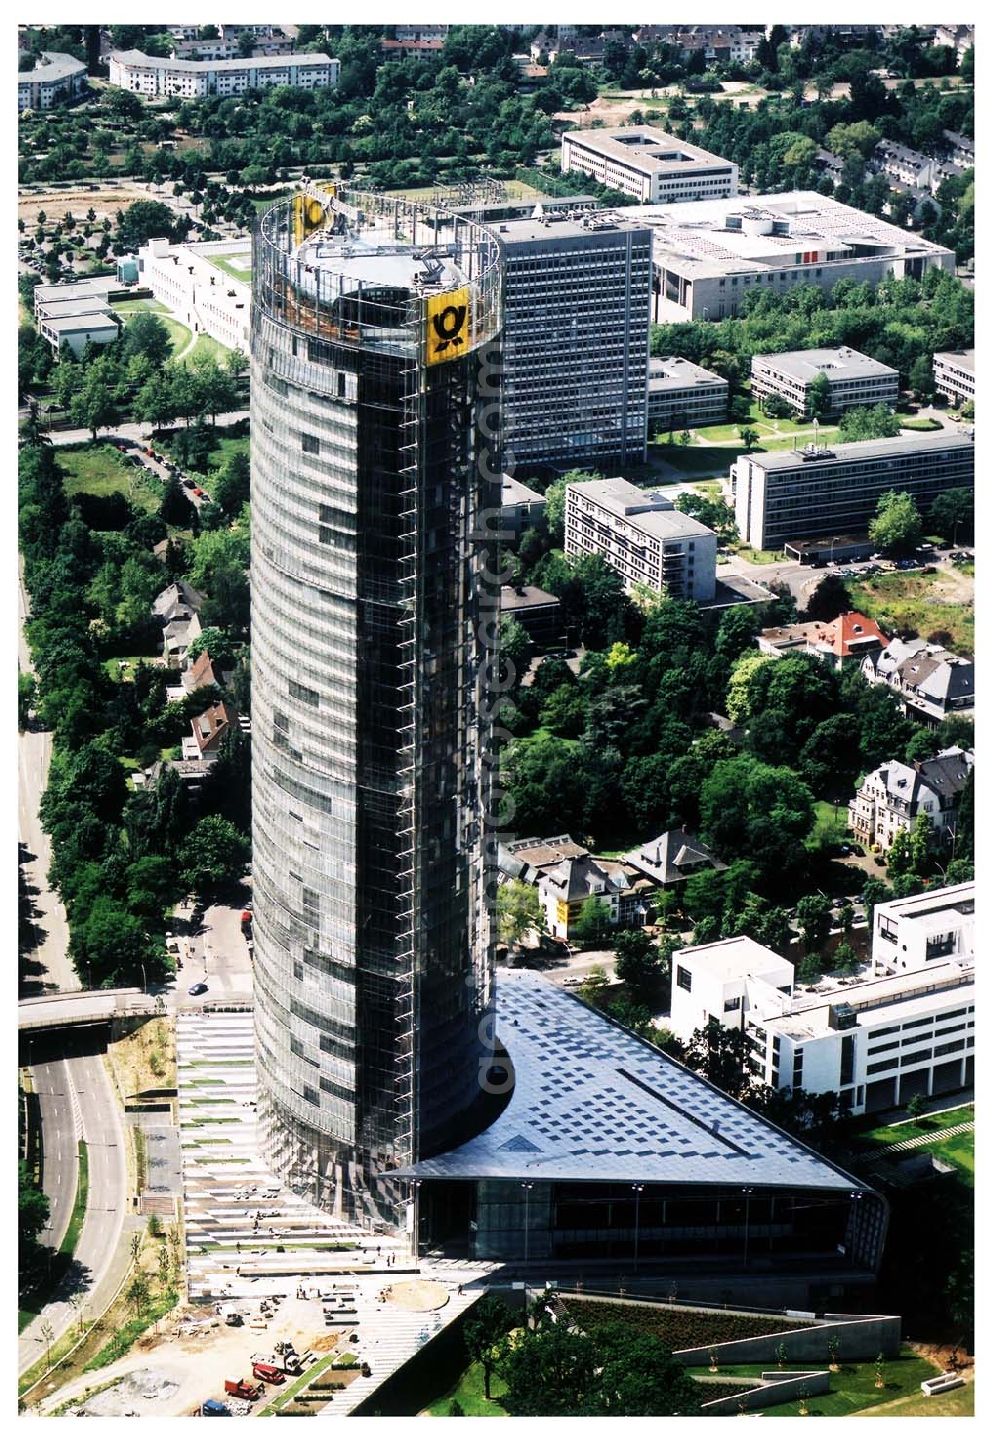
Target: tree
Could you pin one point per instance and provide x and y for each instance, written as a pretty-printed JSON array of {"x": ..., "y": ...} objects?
[
  {"x": 764, "y": 923},
  {"x": 875, "y": 422},
  {"x": 214, "y": 856},
  {"x": 149, "y": 220},
  {"x": 152, "y": 884},
  {"x": 639, "y": 1376},
  {"x": 110, "y": 947},
  {"x": 874, "y": 891},
  {"x": 828, "y": 600},
  {"x": 750, "y": 808},
  {"x": 484, "y": 1329},
  {"x": 952, "y": 511},
  {"x": 592, "y": 922},
  {"x": 175, "y": 507},
  {"x": 719, "y": 1053},
  {"x": 26, "y": 698},
  {"x": 917, "y": 1106},
  {"x": 137, "y": 1294},
  {"x": 515, "y": 648},
  {"x": 231, "y": 484},
  {"x": 519, "y": 910},
  {"x": 813, "y": 915},
  {"x": 638, "y": 965},
  {"x": 740, "y": 690},
  {"x": 550, "y": 1371},
  {"x": 896, "y": 526},
  {"x": 32, "y": 1213},
  {"x": 147, "y": 335},
  {"x": 595, "y": 986},
  {"x": 92, "y": 407},
  {"x": 818, "y": 396},
  {"x": 749, "y": 436}
]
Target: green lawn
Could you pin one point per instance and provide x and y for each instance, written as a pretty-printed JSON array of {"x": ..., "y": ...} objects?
[
  {"x": 289, "y": 1391},
  {"x": 926, "y": 1125},
  {"x": 853, "y": 1388},
  {"x": 205, "y": 345},
  {"x": 239, "y": 269},
  {"x": 469, "y": 1393},
  {"x": 706, "y": 460},
  {"x": 99, "y": 470},
  {"x": 827, "y": 817},
  {"x": 760, "y": 557},
  {"x": 180, "y": 335},
  {"x": 72, "y": 1236},
  {"x": 957, "y": 1403},
  {"x": 264, "y": 202},
  {"x": 906, "y": 601}
]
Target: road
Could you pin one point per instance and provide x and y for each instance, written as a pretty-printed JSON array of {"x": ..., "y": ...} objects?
[
  {"x": 85, "y": 1102},
  {"x": 213, "y": 953},
  {"x": 129, "y": 431},
  {"x": 51, "y": 1079}
]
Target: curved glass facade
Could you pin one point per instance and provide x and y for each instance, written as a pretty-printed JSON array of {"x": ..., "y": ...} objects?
[{"x": 374, "y": 607}]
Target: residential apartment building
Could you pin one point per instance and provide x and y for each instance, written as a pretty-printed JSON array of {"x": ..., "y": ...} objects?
[
  {"x": 204, "y": 296},
  {"x": 683, "y": 395},
  {"x": 930, "y": 682},
  {"x": 576, "y": 341},
  {"x": 230, "y": 49},
  {"x": 955, "y": 375},
  {"x": 708, "y": 256},
  {"x": 848, "y": 638},
  {"x": 906, "y": 1027},
  {"x": 649, "y": 164},
  {"x": 855, "y": 379},
  {"x": 892, "y": 797},
  {"x": 191, "y": 79},
  {"x": 567, "y": 875},
  {"x": 55, "y": 77},
  {"x": 800, "y": 494},
  {"x": 640, "y": 534},
  {"x": 961, "y": 150}
]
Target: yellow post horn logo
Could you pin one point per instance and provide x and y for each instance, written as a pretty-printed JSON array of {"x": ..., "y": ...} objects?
[{"x": 447, "y": 326}]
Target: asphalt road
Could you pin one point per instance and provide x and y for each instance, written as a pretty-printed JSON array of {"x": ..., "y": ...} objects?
[
  {"x": 51, "y": 1079},
  {"x": 129, "y": 431},
  {"x": 216, "y": 954},
  {"x": 88, "y": 1094}
]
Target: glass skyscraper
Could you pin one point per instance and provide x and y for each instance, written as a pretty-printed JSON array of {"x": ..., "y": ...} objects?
[{"x": 375, "y": 496}]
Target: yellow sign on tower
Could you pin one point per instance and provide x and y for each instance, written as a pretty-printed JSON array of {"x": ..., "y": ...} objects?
[{"x": 447, "y": 326}]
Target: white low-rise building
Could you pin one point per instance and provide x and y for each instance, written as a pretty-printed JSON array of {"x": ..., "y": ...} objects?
[
  {"x": 197, "y": 285},
  {"x": 955, "y": 375},
  {"x": 854, "y": 379},
  {"x": 906, "y": 1027},
  {"x": 192, "y": 79},
  {"x": 648, "y": 163},
  {"x": 683, "y": 395},
  {"x": 641, "y": 535},
  {"x": 56, "y": 77}
]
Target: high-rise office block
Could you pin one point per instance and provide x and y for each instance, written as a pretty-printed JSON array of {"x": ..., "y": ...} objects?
[
  {"x": 576, "y": 341},
  {"x": 373, "y": 603}
]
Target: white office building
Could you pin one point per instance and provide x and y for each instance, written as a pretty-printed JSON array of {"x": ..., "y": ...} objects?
[
  {"x": 800, "y": 494},
  {"x": 684, "y": 395},
  {"x": 192, "y": 79},
  {"x": 905, "y": 1027},
  {"x": 191, "y": 281},
  {"x": 955, "y": 375},
  {"x": 649, "y": 164},
  {"x": 708, "y": 256},
  {"x": 641, "y": 535},
  {"x": 855, "y": 379}
]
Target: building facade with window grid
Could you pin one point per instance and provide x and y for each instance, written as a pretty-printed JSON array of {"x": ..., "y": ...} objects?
[
  {"x": 640, "y": 534},
  {"x": 373, "y": 600},
  {"x": 801, "y": 494},
  {"x": 854, "y": 379},
  {"x": 576, "y": 342},
  {"x": 648, "y": 163}
]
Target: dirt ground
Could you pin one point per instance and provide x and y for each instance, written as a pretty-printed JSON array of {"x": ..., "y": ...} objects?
[
  {"x": 170, "y": 1376},
  {"x": 106, "y": 200},
  {"x": 940, "y": 1354}
]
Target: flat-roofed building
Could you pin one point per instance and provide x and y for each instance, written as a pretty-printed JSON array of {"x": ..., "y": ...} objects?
[
  {"x": 708, "y": 256},
  {"x": 683, "y": 395},
  {"x": 648, "y": 163},
  {"x": 955, "y": 375},
  {"x": 56, "y": 77},
  {"x": 855, "y": 379},
  {"x": 905, "y": 1027},
  {"x": 787, "y": 494},
  {"x": 199, "y": 284},
  {"x": 641, "y": 535},
  {"x": 80, "y": 330},
  {"x": 191, "y": 79},
  {"x": 520, "y": 508},
  {"x": 536, "y": 611},
  {"x": 576, "y": 340}
]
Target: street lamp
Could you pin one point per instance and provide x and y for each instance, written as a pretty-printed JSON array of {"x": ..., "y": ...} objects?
[
  {"x": 636, "y": 1190},
  {"x": 527, "y": 1187},
  {"x": 416, "y": 1218},
  {"x": 746, "y": 1192}
]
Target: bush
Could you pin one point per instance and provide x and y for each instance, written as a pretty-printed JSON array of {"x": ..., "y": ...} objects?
[{"x": 690, "y": 1329}]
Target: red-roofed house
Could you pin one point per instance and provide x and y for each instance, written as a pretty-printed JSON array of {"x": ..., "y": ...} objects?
[
  {"x": 209, "y": 727},
  {"x": 848, "y": 637}
]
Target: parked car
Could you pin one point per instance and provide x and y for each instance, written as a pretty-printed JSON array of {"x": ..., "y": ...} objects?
[
  {"x": 198, "y": 988},
  {"x": 269, "y": 1372},
  {"x": 214, "y": 1408}
]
